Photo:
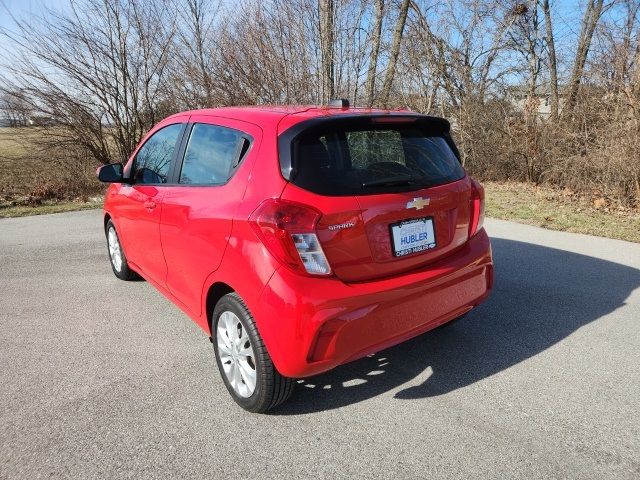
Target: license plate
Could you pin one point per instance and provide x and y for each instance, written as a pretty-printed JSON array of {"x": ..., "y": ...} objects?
[{"x": 412, "y": 236}]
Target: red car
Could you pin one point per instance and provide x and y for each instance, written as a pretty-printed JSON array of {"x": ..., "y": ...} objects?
[{"x": 300, "y": 238}]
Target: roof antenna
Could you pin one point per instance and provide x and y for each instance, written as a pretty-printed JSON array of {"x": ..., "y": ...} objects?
[{"x": 339, "y": 103}]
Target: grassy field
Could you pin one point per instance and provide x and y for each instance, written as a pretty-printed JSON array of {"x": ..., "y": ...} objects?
[
  {"x": 12, "y": 146},
  {"x": 560, "y": 210},
  {"x": 47, "y": 207},
  {"x": 39, "y": 180},
  {"x": 23, "y": 167},
  {"x": 35, "y": 182},
  {"x": 15, "y": 141}
]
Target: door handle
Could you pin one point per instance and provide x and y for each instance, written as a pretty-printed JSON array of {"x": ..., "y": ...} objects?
[{"x": 150, "y": 205}]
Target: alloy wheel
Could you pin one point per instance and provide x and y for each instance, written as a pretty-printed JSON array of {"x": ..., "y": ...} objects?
[
  {"x": 236, "y": 354},
  {"x": 114, "y": 249}
]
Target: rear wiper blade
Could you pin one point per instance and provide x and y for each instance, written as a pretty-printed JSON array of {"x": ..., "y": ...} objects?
[{"x": 391, "y": 181}]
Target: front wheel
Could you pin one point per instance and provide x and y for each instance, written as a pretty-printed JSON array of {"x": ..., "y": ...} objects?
[
  {"x": 116, "y": 255},
  {"x": 244, "y": 363}
]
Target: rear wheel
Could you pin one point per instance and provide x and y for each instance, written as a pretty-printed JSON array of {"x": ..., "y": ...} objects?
[
  {"x": 244, "y": 363},
  {"x": 116, "y": 255}
]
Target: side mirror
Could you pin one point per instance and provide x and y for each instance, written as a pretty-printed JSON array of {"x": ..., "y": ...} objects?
[{"x": 111, "y": 173}]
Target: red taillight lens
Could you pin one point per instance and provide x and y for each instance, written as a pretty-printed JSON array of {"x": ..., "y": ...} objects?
[
  {"x": 392, "y": 119},
  {"x": 476, "y": 207},
  {"x": 287, "y": 229}
]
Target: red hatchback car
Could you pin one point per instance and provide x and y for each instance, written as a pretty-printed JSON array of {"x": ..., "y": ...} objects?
[{"x": 300, "y": 238}]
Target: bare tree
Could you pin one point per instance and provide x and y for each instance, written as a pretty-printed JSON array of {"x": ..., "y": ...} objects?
[
  {"x": 553, "y": 62},
  {"x": 395, "y": 51},
  {"x": 268, "y": 53},
  {"x": 375, "y": 51},
  {"x": 526, "y": 40},
  {"x": 99, "y": 69},
  {"x": 194, "y": 56},
  {"x": 15, "y": 108},
  {"x": 592, "y": 14},
  {"x": 351, "y": 38},
  {"x": 327, "y": 36}
]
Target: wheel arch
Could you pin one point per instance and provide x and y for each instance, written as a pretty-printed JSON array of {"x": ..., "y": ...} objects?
[
  {"x": 216, "y": 291},
  {"x": 106, "y": 219}
]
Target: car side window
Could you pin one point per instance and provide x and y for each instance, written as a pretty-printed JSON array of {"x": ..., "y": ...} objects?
[
  {"x": 153, "y": 160},
  {"x": 211, "y": 154}
]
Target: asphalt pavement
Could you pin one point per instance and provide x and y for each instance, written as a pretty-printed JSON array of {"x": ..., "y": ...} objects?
[{"x": 101, "y": 378}]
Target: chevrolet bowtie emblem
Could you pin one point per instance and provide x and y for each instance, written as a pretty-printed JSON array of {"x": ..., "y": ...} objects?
[{"x": 418, "y": 203}]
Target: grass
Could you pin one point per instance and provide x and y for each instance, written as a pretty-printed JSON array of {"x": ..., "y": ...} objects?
[
  {"x": 22, "y": 165},
  {"x": 14, "y": 142},
  {"x": 34, "y": 181},
  {"x": 9, "y": 211},
  {"x": 560, "y": 210}
]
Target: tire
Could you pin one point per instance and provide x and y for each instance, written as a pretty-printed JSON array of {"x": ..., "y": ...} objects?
[
  {"x": 243, "y": 359},
  {"x": 120, "y": 268}
]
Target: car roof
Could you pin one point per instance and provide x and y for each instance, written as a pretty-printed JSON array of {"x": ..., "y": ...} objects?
[{"x": 285, "y": 116}]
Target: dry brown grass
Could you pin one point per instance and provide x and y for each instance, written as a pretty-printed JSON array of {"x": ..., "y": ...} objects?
[
  {"x": 31, "y": 175},
  {"x": 561, "y": 210},
  {"x": 49, "y": 207}
]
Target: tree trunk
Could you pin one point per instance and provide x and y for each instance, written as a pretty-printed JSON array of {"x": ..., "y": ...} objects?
[
  {"x": 375, "y": 50},
  {"x": 395, "y": 51},
  {"x": 592, "y": 14},
  {"x": 327, "y": 47},
  {"x": 553, "y": 62},
  {"x": 634, "y": 90},
  {"x": 534, "y": 56}
]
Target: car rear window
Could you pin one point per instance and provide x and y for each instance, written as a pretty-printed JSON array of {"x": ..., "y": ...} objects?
[{"x": 373, "y": 158}]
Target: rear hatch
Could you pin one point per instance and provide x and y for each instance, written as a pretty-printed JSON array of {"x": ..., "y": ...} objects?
[{"x": 390, "y": 188}]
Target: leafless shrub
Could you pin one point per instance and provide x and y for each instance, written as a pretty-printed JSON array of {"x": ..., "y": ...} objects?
[{"x": 98, "y": 70}]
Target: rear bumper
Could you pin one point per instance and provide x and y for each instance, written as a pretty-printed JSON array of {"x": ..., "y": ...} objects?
[{"x": 311, "y": 325}]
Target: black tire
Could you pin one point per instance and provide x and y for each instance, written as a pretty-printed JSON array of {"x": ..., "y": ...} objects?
[
  {"x": 124, "y": 273},
  {"x": 271, "y": 388}
]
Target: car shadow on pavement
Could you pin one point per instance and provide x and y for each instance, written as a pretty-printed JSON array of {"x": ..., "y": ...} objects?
[{"x": 541, "y": 295}]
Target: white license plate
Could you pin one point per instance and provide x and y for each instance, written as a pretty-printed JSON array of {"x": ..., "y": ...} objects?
[{"x": 412, "y": 236}]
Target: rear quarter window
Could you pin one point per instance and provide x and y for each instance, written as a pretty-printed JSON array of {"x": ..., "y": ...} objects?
[{"x": 211, "y": 155}]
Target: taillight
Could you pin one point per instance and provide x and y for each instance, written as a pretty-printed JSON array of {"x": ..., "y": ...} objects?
[
  {"x": 287, "y": 229},
  {"x": 476, "y": 207}
]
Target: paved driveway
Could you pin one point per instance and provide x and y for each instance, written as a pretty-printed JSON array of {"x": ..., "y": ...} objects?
[{"x": 100, "y": 378}]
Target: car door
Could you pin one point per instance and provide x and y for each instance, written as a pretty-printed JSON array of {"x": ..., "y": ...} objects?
[
  {"x": 140, "y": 201},
  {"x": 198, "y": 210}
]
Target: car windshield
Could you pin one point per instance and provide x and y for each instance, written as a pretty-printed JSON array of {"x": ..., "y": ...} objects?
[{"x": 369, "y": 159}]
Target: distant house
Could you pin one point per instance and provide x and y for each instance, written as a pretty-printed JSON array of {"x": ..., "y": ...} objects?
[
  {"x": 40, "y": 121},
  {"x": 540, "y": 102}
]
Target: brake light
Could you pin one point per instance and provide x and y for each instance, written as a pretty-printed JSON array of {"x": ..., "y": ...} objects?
[
  {"x": 394, "y": 119},
  {"x": 476, "y": 207},
  {"x": 287, "y": 229}
]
